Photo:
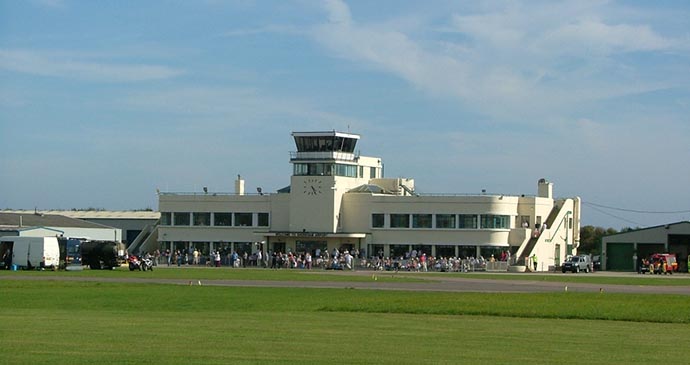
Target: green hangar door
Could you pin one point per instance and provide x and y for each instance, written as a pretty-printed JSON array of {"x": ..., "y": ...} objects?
[{"x": 620, "y": 256}]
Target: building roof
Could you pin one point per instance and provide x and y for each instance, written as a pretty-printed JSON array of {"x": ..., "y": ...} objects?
[
  {"x": 31, "y": 219},
  {"x": 666, "y": 226},
  {"x": 94, "y": 214},
  {"x": 369, "y": 188}
]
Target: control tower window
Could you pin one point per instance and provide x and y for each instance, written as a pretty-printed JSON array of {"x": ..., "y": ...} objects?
[
  {"x": 324, "y": 169},
  {"x": 325, "y": 144}
]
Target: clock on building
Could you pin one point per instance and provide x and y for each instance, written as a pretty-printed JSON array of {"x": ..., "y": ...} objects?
[{"x": 313, "y": 186}]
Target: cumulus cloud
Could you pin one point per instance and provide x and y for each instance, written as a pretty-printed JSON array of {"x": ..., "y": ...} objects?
[
  {"x": 523, "y": 59},
  {"x": 597, "y": 36},
  {"x": 59, "y": 64}
]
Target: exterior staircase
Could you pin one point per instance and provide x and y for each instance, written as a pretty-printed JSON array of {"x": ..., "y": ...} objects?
[{"x": 145, "y": 241}]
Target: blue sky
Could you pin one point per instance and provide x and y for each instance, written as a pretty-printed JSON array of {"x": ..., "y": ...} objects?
[{"x": 101, "y": 103}]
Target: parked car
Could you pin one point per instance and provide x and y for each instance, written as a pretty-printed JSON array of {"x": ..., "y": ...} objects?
[
  {"x": 596, "y": 262},
  {"x": 578, "y": 263}
]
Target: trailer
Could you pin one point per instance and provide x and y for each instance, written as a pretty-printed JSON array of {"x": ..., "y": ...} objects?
[{"x": 30, "y": 252}]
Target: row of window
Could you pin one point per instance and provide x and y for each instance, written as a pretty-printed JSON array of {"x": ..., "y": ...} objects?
[
  {"x": 331, "y": 169},
  {"x": 440, "y": 221},
  {"x": 215, "y": 219}
]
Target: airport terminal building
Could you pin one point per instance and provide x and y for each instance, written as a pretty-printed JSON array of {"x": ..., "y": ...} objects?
[{"x": 340, "y": 199}]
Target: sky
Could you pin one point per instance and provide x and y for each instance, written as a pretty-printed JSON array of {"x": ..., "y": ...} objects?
[{"x": 103, "y": 102}]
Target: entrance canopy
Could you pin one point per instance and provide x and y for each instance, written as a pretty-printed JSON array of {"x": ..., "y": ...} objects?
[{"x": 312, "y": 234}]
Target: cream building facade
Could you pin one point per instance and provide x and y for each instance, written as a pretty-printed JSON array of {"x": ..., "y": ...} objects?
[{"x": 340, "y": 199}]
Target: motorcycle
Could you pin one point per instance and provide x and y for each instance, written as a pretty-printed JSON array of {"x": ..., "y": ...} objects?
[
  {"x": 134, "y": 263},
  {"x": 146, "y": 264}
]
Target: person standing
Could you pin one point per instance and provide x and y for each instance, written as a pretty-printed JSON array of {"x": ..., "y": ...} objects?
[
  {"x": 307, "y": 259},
  {"x": 195, "y": 256},
  {"x": 535, "y": 262},
  {"x": 216, "y": 258}
]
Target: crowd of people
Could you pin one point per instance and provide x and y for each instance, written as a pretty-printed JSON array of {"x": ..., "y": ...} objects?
[{"x": 330, "y": 260}]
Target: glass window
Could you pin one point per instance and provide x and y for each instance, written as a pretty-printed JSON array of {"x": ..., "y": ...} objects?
[
  {"x": 400, "y": 221},
  {"x": 445, "y": 251},
  {"x": 445, "y": 221},
  {"x": 421, "y": 221},
  {"x": 202, "y": 219},
  {"x": 181, "y": 219},
  {"x": 467, "y": 221},
  {"x": 399, "y": 250},
  {"x": 263, "y": 220},
  {"x": 346, "y": 170},
  {"x": 361, "y": 171},
  {"x": 372, "y": 172},
  {"x": 300, "y": 169},
  {"x": 377, "y": 220},
  {"x": 166, "y": 218},
  {"x": 489, "y": 221},
  {"x": 243, "y": 219},
  {"x": 242, "y": 247},
  {"x": 222, "y": 219}
]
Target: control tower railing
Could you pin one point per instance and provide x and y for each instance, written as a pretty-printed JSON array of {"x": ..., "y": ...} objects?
[{"x": 325, "y": 155}]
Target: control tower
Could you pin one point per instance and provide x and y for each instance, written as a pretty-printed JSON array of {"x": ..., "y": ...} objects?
[{"x": 325, "y": 166}]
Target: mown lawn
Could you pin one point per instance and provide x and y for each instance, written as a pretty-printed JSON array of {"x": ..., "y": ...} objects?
[
  {"x": 632, "y": 279},
  {"x": 203, "y": 273},
  {"x": 91, "y": 322}
]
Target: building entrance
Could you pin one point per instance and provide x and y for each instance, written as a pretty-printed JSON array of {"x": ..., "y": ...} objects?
[{"x": 315, "y": 248}]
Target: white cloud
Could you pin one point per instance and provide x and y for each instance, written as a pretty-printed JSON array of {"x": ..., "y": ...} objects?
[
  {"x": 269, "y": 29},
  {"x": 520, "y": 62},
  {"x": 58, "y": 64},
  {"x": 234, "y": 106},
  {"x": 597, "y": 36}
]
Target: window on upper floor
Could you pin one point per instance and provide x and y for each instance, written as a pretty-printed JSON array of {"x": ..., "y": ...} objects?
[
  {"x": 263, "y": 219},
  {"x": 243, "y": 219},
  {"x": 489, "y": 221},
  {"x": 222, "y": 219},
  {"x": 445, "y": 221},
  {"x": 166, "y": 219},
  {"x": 181, "y": 219},
  {"x": 202, "y": 219},
  {"x": 421, "y": 220},
  {"x": 378, "y": 220},
  {"x": 400, "y": 221},
  {"x": 467, "y": 221}
]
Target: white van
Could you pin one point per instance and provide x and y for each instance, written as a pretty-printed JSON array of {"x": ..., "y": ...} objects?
[{"x": 33, "y": 252}]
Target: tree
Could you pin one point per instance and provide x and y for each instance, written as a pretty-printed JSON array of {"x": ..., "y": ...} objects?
[{"x": 590, "y": 238}]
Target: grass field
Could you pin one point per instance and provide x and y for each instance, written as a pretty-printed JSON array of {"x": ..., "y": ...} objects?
[
  {"x": 202, "y": 273},
  {"x": 89, "y": 322}
]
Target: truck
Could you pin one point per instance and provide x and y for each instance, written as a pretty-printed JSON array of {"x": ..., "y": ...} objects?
[
  {"x": 99, "y": 255},
  {"x": 30, "y": 252},
  {"x": 576, "y": 264},
  {"x": 660, "y": 263}
]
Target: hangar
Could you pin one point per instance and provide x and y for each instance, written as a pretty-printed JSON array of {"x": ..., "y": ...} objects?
[
  {"x": 37, "y": 224},
  {"x": 623, "y": 251}
]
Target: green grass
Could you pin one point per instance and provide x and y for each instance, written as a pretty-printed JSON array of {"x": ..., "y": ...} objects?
[
  {"x": 632, "y": 279},
  {"x": 202, "y": 273},
  {"x": 92, "y": 322}
]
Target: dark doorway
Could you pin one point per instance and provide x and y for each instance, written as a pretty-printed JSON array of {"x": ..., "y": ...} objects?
[{"x": 680, "y": 245}]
